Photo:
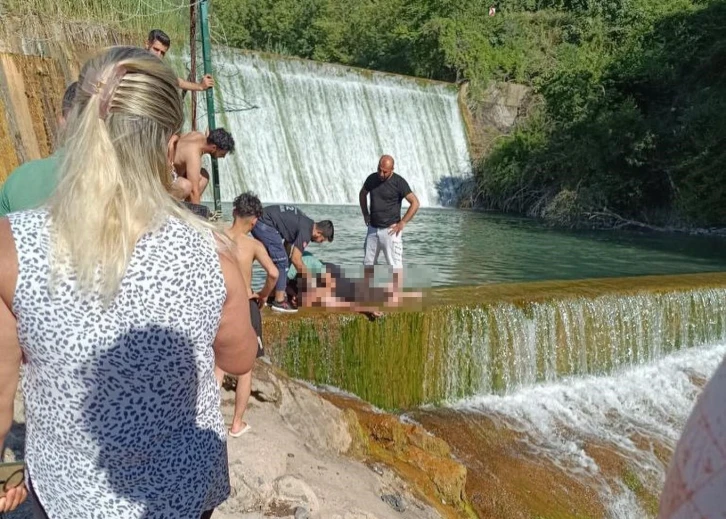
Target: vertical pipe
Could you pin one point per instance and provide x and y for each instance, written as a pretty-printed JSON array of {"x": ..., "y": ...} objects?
[
  {"x": 207, "y": 58},
  {"x": 193, "y": 56}
]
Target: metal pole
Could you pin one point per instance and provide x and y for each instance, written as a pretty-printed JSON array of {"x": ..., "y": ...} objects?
[
  {"x": 193, "y": 56},
  {"x": 207, "y": 57}
]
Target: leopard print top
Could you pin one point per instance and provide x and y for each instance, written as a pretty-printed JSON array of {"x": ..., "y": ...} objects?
[{"x": 122, "y": 408}]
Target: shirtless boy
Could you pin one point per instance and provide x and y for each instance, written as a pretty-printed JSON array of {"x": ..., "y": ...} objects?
[
  {"x": 189, "y": 177},
  {"x": 247, "y": 209}
]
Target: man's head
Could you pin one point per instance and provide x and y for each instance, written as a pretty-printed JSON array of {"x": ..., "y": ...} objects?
[
  {"x": 323, "y": 231},
  {"x": 158, "y": 43},
  {"x": 247, "y": 207},
  {"x": 385, "y": 167},
  {"x": 221, "y": 142},
  {"x": 68, "y": 97}
]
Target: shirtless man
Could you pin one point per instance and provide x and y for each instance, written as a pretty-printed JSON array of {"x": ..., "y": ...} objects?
[
  {"x": 158, "y": 43},
  {"x": 189, "y": 179},
  {"x": 247, "y": 209}
]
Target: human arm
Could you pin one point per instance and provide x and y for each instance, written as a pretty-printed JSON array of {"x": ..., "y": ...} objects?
[
  {"x": 410, "y": 213},
  {"x": 206, "y": 83},
  {"x": 193, "y": 163},
  {"x": 11, "y": 355},
  {"x": 273, "y": 273},
  {"x": 235, "y": 345},
  {"x": 296, "y": 259},
  {"x": 363, "y": 199}
]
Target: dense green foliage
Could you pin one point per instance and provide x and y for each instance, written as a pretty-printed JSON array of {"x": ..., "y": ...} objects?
[
  {"x": 630, "y": 123},
  {"x": 633, "y": 91}
]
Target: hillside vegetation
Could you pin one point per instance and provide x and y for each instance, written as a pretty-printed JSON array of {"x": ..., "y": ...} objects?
[{"x": 630, "y": 129}]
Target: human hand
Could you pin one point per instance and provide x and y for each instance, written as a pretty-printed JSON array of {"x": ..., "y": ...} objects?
[
  {"x": 13, "y": 498},
  {"x": 258, "y": 299},
  {"x": 367, "y": 220},
  {"x": 396, "y": 228},
  {"x": 207, "y": 82}
]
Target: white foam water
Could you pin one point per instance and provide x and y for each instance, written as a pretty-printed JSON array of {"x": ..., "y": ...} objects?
[
  {"x": 309, "y": 132},
  {"x": 650, "y": 402}
]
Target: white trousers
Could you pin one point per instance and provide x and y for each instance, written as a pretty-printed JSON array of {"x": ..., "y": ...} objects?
[{"x": 377, "y": 241}]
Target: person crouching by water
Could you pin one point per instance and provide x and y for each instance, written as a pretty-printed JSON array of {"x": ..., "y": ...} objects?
[
  {"x": 119, "y": 302},
  {"x": 385, "y": 225},
  {"x": 286, "y": 225},
  {"x": 247, "y": 209}
]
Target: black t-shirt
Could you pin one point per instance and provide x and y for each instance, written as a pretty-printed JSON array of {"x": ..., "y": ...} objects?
[
  {"x": 293, "y": 225},
  {"x": 386, "y": 197}
]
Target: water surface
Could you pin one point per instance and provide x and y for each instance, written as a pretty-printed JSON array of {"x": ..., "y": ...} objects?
[{"x": 449, "y": 247}]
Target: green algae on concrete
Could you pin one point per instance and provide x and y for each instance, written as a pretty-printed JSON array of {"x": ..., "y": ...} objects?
[{"x": 494, "y": 339}]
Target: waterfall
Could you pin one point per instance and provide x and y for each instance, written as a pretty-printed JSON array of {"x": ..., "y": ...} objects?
[
  {"x": 317, "y": 130},
  {"x": 613, "y": 434},
  {"x": 449, "y": 352}
]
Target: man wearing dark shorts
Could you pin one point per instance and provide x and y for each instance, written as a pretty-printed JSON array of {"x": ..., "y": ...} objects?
[
  {"x": 283, "y": 225},
  {"x": 247, "y": 209},
  {"x": 256, "y": 318}
]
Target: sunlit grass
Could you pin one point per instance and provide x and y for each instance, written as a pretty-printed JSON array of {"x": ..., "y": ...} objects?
[{"x": 136, "y": 17}]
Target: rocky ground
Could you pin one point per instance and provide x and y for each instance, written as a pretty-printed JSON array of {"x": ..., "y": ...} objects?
[{"x": 293, "y": 462}]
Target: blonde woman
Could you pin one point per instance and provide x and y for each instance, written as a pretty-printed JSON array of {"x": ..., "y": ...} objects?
[{"x": 118, "y": 302}]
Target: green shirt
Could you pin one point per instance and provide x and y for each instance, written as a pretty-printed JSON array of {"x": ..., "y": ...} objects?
[
  {"x": 312, "y": 263},
  {"x": 29, "y": 185}
]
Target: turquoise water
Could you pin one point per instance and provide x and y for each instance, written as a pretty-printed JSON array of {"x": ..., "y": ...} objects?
[{"x": 445, "y": 247}]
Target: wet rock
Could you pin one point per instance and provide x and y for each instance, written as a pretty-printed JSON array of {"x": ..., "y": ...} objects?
[
  {"x": 448, "y": 476},
  {"x": 410, "y": 450},
  {"x": 394, "y": 501}
]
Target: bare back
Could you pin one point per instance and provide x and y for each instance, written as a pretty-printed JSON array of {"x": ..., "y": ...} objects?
[
  {"x": 189, "y": 151},
  {"x": 245, "y": 255}
]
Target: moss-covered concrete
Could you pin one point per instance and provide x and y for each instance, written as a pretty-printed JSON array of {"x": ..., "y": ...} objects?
[{"x": 493, "y": 339}]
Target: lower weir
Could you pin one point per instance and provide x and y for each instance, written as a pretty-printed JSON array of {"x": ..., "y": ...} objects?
[
  {"x": 562, "y": 399},
  {"x": 497, "y": 339}
]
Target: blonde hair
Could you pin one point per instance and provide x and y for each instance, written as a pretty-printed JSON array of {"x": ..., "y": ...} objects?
[{"x": 115, "y": 175}]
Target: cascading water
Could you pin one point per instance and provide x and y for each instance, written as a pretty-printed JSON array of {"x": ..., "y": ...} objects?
[
  {"x": 634, "y": 417},
  {"x": 558, "y": 406},
  {"x": 316, "y": 130},
  {"x": 450, "y": 352}
]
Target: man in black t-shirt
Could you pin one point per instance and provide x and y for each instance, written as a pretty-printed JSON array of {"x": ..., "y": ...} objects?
[
  {"x": 385, "y": 225},
  {"x": 282, "y": 225}
]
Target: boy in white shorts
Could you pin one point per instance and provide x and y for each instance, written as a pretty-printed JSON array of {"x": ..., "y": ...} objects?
[{"x": 385, "y": 225}]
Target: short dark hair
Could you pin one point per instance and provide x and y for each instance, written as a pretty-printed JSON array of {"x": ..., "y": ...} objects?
[
  {"x": 326, "y": 229},
  {"x": 222, "y": 139},
  {"x": 160, "y": 36},
  {"x": 247, "y": 204},
  {"x": 68, "y": 97}
]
